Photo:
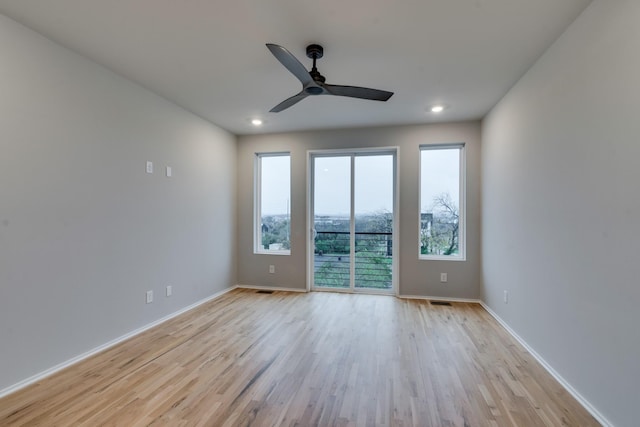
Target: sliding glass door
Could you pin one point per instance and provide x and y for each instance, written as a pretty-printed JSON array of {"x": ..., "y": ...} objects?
[{"x": 352, "y": 216}]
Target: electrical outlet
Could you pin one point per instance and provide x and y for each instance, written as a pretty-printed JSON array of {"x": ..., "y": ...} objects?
[
  {"x": 443, "y": 277},
  {"x": 149, "y": 297},
  {"x": 169, "y": 172},
  {"x": 149, "y": 167},
  {"x": 506, "y": 297},
  {"x": 169, "y": 290},
  {"x": 272, "y": 269}
]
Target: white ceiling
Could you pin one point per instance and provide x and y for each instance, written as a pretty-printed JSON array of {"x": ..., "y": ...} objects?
[{"x": 209, "y": 56}]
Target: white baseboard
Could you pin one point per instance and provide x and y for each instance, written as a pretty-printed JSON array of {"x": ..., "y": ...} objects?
[
  {"x": 448, "y": 299},
  {"x": 270, "y": 288},
  {"x": 41, "y": 375},
  {"x": 584, "y": 402}
]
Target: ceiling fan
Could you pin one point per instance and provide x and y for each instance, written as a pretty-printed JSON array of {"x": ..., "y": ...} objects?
[{"x": 313, "y": 83}]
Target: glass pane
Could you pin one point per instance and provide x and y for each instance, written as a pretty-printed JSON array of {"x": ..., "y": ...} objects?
[
  {"x": 373, "y": 215},
  {"x": 275, "y": 192},
  {"x": 440, "y": 201},
  {"x": 332, "y": 207}
]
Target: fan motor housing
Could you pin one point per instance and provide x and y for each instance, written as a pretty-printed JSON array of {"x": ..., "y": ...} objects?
[
  {"x": 315, "y": 51},
  {"x": 314, "y": 90}
]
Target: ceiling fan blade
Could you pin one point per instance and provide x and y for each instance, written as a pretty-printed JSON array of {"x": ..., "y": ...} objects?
[
  {"x": 290, "y": 62},
  {"x": 358, "y": 92},
  {"x": 289, "y": 102}
]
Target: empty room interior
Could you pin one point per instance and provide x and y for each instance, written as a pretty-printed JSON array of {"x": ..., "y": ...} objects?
[{"x": 294, "y": 213}]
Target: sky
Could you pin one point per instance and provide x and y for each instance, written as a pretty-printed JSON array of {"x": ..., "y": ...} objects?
[
  {"x": 440, "y": 175},
  {"x": 373, "y": 180},
  {"x": 276, "y": 186}
]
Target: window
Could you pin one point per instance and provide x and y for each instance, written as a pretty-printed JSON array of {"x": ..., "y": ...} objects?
[
  {"x": 442, "y": 234},
  {"x": 272, "y": 198}
]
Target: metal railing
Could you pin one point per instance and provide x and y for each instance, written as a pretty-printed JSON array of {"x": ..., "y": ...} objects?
[{"x": 373, "y": 255}]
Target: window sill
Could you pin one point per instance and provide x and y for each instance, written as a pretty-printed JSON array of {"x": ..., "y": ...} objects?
[
  {"x": 272, "y": 252},
  {"x": 440, "y": 258}
]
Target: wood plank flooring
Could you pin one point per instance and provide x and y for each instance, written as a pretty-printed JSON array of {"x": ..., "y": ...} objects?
[{"x": 318, "y": 359}]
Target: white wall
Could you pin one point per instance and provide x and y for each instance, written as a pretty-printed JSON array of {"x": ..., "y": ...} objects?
[
  {"x": 84, "y": 231},
  {"x": 561, "y": 203},
  {"x": 416, "y": 277}
]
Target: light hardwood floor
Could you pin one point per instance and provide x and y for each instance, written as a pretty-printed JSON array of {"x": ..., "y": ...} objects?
[{"x": 318, "y": 359}]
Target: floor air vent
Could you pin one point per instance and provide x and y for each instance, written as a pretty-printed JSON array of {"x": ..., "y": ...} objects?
[
  {"x": 264, "y": 292},
  {"x": 440, "y": 303}
]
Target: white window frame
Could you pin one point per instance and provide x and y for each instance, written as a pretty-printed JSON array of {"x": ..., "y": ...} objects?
[
  {"x": 258, "y": 248},
  {"x": 462, "y": 219}
]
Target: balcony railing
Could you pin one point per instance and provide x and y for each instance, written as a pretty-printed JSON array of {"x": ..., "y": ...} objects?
[{"x": 373, "y": 252}]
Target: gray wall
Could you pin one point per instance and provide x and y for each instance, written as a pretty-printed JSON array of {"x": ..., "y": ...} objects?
[
  {"x": 84, "y": 231},
  {"x": 417, "y": 277},
  {"x": 561, "y": 203}
]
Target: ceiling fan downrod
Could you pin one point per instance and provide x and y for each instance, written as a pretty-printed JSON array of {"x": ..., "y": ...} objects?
[{"x": 315, "y": 51}]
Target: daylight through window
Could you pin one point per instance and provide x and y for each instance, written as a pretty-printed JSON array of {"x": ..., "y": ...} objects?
[
  {"x": 442, "y": 202},
  {"x": 273, "y": 196}
]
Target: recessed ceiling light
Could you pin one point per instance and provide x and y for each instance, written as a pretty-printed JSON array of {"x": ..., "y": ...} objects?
[
  {"x": 437, "y": 109},
  {"x": 256, "y": 122}
]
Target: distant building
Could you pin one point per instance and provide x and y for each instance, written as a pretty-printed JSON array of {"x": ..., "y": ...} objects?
[{"x": 426, "y": 221}]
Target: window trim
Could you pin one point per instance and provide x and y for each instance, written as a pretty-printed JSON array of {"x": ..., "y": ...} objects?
[
  {"x": 258, "y": 248},
  {"x": 462, "y": 218}
]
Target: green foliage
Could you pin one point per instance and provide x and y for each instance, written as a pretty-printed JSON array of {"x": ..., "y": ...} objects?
[
  {"x": 276, "y": 229},
  {"x": 373, "y": 251},
  {"x": 372, "y": 271},
  {"x": 332, "y": 276},
  {"x": 332, "y": 244}
]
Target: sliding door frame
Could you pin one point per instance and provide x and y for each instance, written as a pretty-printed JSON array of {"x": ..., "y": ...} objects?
[{"x": 395, "y": 259}]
